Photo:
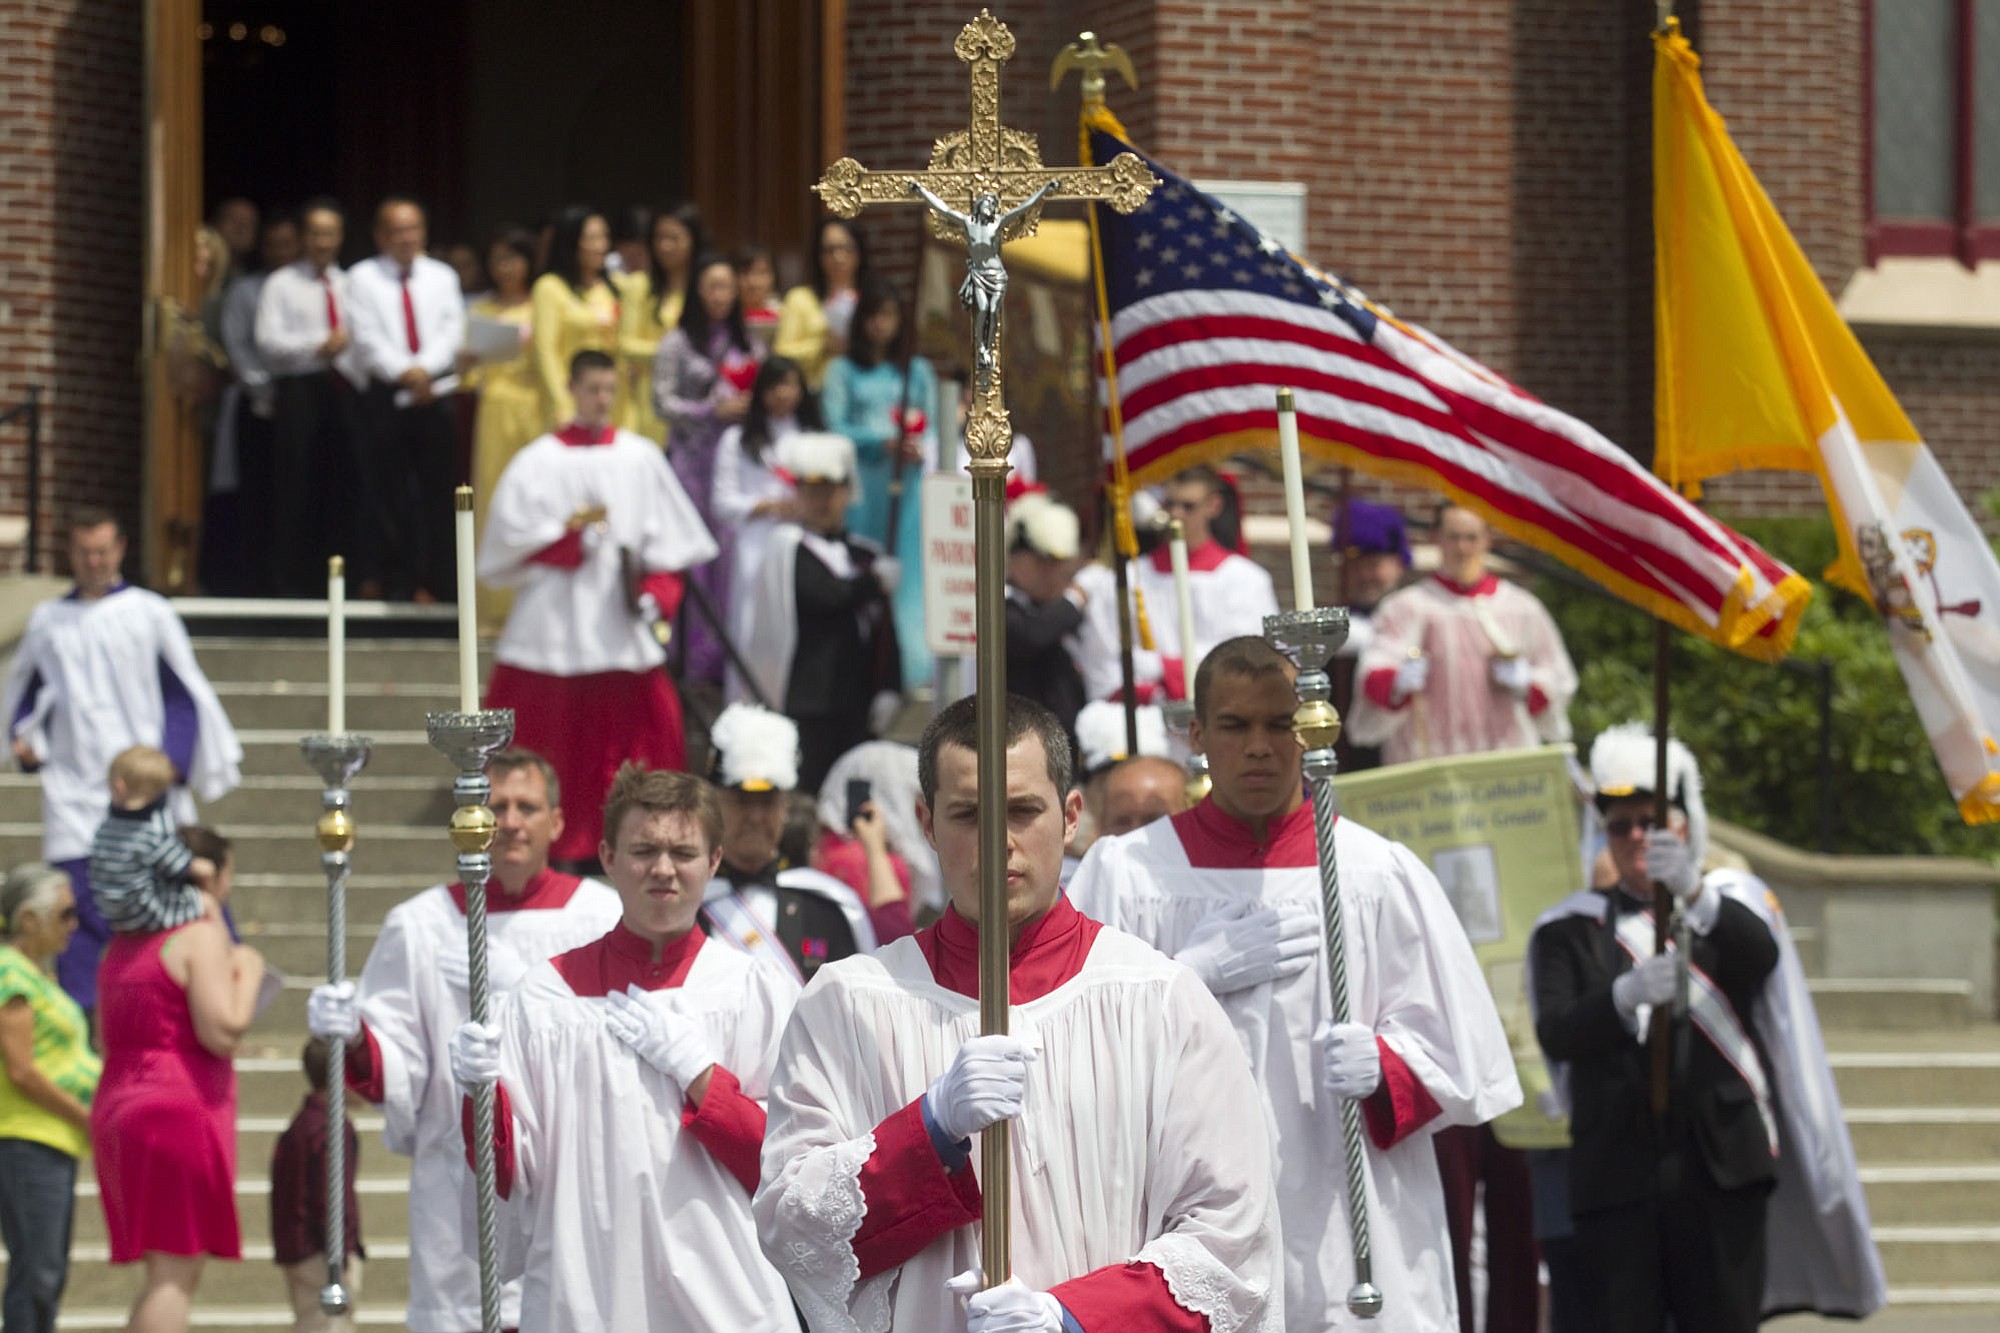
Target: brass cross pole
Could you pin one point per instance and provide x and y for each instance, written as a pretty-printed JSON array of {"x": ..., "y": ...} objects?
[{"x": 986, "y": 185}]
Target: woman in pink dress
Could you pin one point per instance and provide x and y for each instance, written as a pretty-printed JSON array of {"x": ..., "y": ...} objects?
[{"x": 172, "y": 1006}]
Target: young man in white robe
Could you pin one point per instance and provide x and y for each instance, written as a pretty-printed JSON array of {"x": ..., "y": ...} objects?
[
  {"x": 1141, "y": 1170},
  {"x": 1232, "y": 889},
  {"x": 103, "y": 668},
  {"x": 627, "y": 1117},
  {"x": 591, "y": 529},
  {"x": 1461, "y": 662},
  {"x": 1229, "y": 592},
  {"x": 413, "y": 995}
]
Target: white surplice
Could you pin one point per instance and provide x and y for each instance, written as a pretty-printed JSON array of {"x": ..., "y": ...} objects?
[
  {"x": 1229, "y": 595},
  {"x": 741, "y": 484},
  {"x": 1460, "y": 709},
  {"x": 625, "y": 1221},
  {"x": 577, "y": 622},
  {"x": 1411, "y": 976},
  {"x": 91, "y": 679},
  {"x": 413, "y": 997},
  {"x": 1131, "y": 1147}
]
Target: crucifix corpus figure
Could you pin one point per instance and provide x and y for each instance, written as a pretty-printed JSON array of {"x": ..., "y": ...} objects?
[{"x": 984, "y": 290}]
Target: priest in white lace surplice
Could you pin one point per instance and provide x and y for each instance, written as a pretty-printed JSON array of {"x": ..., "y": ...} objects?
[
  {"x": 628, "y": 1114},
  {"x": 1461, "y": 662},
  {"x": 412, "y": 997},
  {"x": 1142, "y": 1190},
  {"x": 1232, "y": 888}
]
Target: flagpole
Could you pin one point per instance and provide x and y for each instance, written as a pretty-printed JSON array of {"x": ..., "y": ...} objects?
[
  {"x": 1659, "y": 1031},
  {"x": 1124, "y": 540}
]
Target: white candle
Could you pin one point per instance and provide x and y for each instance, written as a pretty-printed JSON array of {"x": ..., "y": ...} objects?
[
  {"x": 468, "y": 609},
  {"x": 1183, "y": 603},
  {"x": 1295, "y": 501},
  {"x": 336, "y": 646}
]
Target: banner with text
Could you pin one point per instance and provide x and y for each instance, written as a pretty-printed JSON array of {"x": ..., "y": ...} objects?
[{"x": 1500, "y": 832}]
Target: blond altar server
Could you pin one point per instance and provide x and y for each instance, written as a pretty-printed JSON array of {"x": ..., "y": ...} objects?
[
  {"x": 414, "y": 994},
  {"x": 1231, "y": 888},
  {"x": 1141, "y": 1185},
  {"x": 1463, "y": 661},
  {"x": 627, "y": 1116}
]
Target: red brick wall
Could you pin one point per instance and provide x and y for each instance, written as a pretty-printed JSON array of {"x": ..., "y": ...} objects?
[{"x": 71, "y": 203}]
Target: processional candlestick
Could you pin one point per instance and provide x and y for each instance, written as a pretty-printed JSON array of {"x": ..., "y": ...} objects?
[{"x": 985, "y": 185}]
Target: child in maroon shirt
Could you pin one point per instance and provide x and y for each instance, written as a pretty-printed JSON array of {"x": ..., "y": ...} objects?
[{"x": 298, "y": 1203}]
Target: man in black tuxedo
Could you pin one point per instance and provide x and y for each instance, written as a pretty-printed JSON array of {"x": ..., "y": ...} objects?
[{"x": 1669, "y": 1210}]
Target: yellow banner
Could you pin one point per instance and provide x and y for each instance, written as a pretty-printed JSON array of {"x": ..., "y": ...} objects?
[{"x": 1500, "y": 832}]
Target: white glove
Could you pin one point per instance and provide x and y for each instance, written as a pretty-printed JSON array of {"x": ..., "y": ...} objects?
[
  {"x": 1353, "y": 1061},
  {"x": 1412, "y": 674},
  {"x": 1513, "y": 674},
  {"x": 666, "y": 1039},
  {"x": 1241, "y": 945},
  {"x": 987, "y": 1083},
  {"x": 1146, "y": 666},
  {"x": 1670, "y": 861},
  {"x": 475, "y": 1055},
  {"x": 1651, "y": 982},
  {"x": 332, "y": 1014},
  {"x": 1007, "y": 1308},
  {"x": 888, "y": 572}
]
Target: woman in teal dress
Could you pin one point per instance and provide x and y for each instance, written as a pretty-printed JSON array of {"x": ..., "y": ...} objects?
[{"x": 865, "y": 390}]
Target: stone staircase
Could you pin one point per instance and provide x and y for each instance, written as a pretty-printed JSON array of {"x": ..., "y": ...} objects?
[{"x": 1920, "y": 1078}]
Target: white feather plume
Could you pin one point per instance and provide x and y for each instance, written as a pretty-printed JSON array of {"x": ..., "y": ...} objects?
[
  {"x": 1622, "y": 762},
  {"x": 1046, "y": 524},
  {"x": 756, "y": 746},
  {"x": 1100, "y": 735}
]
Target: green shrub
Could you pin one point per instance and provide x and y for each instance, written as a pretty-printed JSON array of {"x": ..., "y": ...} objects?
[{"x": 1756, "y": 728}]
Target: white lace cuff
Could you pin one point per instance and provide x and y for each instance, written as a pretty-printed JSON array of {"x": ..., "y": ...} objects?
[
  {"x": 820, "y": 1212},
  {"x": 1201, "y": 1284}
]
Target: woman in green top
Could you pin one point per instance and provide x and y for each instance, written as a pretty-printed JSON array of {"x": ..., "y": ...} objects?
[{"x": 48, "y": 1074}]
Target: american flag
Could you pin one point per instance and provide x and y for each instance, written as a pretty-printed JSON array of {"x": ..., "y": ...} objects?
[{"x": 1209, "y": 317}]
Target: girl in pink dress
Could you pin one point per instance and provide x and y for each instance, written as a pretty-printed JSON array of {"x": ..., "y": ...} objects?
[{"x": 163, "y": 1126}]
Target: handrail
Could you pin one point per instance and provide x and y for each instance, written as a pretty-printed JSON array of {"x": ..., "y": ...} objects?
[{"x": 31, "y": 408}]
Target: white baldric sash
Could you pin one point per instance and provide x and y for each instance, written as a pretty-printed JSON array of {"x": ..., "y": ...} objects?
[
  {"x": 1713, "y": 1014},
  {"x": 737, "y": 923}
]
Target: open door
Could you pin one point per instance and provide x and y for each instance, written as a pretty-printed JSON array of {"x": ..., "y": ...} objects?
[{"x": 172, "y": 478}]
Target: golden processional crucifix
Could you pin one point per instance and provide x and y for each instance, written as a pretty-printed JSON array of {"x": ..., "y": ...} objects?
[{"x": 986, "y": 185}]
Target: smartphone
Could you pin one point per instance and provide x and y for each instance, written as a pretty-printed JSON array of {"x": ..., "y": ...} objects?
[{"x": 859, "y": 792}]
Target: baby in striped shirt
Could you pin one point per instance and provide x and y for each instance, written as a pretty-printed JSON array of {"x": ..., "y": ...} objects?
[{"x": 143, "y": 878}]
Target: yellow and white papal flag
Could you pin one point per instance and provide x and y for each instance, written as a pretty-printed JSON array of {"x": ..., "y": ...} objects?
[{"x": 1756, "y": 369}]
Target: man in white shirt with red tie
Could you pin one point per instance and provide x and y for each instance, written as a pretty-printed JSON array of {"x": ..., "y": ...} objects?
[
  {"x": 409, "y": 326},
  {"x": 414, "y": 994},
  {"x": 304, "y": 334},
  {"x": 1462, "y": 662},
  {"x": 1232, "y": 889}
]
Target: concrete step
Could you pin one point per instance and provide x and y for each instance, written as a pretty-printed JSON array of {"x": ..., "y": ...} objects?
[
  {"x": 1891, "y": 1136},
  {"x": 1939, "y": 1255},
  {"x": 1928, "y": 1078},
  {"x": 301, "y": 705},
  {"x": 298, "y": 949},
  {"x": 1941, "y": 1194},
  {"x": 303, "y": 661},
  {"x": 233, "y": 1319},
  {"x": 287, "y": 798},
  {"x": 399, "y": 753},
  {"x": 1896, "y": 1004},
  {"x": 263, "y": 849},
  {"x": 385, "y": 1203},
  {"x": 94, "y": 1282},
  {"x": 299, "y": 896}
]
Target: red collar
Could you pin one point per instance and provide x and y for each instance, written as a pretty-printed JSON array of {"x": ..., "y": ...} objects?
[
  {"x": 547, "y": 891},
  {"x": 576, "y": 433},
  {"x": 1203, "y": 559},
  {"x": 1214, "y": 841},
  {"x": 1051, "y": 950},
  {"x": 1486, "y": 586},
  {"x": 622, "y": 959}
]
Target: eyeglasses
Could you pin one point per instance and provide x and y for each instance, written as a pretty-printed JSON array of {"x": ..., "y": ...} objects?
[
  {"x": 1181, "y": 506},
  {"x": 838, "y": 248},
  {"x": 1624, "y": 828}
]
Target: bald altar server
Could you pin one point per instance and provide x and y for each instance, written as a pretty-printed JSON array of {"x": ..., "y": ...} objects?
[
  {"x": 1232, "y": 889},
  {"x": 1141, "y": 1171},
  {"x": 627, "y": 1116},
  {"x": 1462, "y": 661},
  {"x": 413, "y": 995},
  {"x": 105, "y": 667},
  {"x": 592, "y": 531}
]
